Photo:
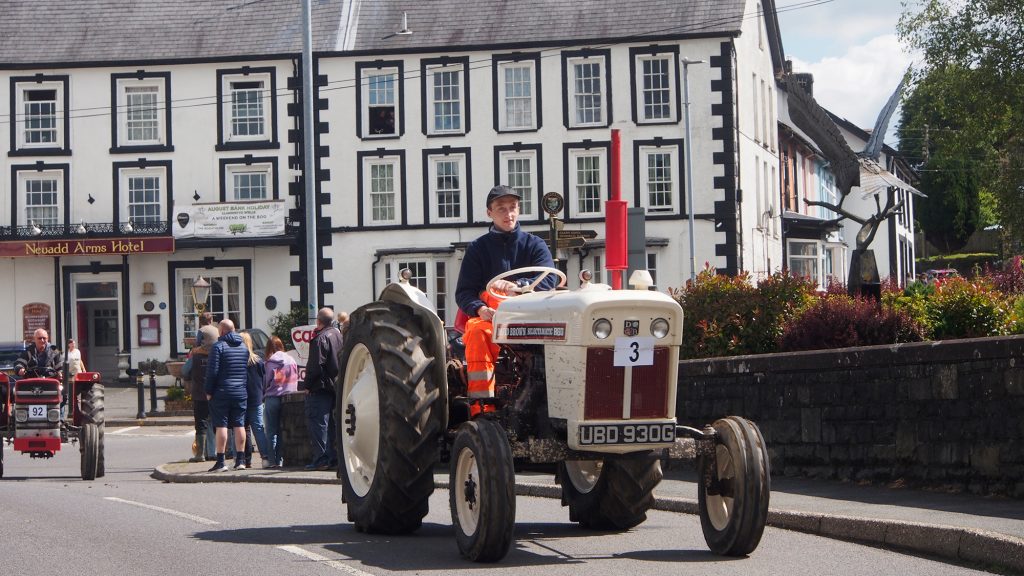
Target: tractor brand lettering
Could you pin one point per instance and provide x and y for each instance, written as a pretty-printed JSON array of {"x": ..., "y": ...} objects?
[
  {"x": 37, "y": 391},
  {"x": 631, "y": 328},
  {"x": 535, "y": 331},
  {"x": 591, "y": 434}
]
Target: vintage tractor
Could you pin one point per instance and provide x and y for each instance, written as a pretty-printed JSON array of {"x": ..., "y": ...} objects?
[
  {"x": 31, "y": 422},
  {"x": 586, "y": 381}
]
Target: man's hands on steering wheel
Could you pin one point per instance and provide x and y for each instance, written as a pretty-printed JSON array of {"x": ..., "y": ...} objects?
[
  {"x": 500, "y": 288},
  {"x": 38, "y": 372}
]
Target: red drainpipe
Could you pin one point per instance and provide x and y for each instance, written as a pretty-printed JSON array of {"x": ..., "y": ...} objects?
[{"x": 615, "y": 218}]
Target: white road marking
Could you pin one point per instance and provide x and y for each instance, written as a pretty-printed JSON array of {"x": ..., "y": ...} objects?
[
  {"x": 185, "y": 515},
  {"x": 324, "y": 560},
  {"x": 129, "y": 432}
]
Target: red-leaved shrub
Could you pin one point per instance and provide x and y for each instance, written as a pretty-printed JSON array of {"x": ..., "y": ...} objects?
[{"x": 838, "y": 321}]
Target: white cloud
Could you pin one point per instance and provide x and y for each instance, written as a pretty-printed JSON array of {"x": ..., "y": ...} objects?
[{"x": 857, "y": 84}]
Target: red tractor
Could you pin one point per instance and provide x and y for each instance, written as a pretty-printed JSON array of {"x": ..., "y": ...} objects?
[{"x": 31, "y": 419}]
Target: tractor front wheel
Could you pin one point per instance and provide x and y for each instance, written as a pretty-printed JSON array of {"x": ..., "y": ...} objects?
[
  {"x": 613, "y": 494},
  {"x": 734, "y": 488},
  {"x": 90, "y": 444},
  {"x": 482, "y": 492},
  {"x": 390, "y": 413}
]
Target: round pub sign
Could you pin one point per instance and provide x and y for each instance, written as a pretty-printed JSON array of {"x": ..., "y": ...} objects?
[{"x": 553, "y": 203}]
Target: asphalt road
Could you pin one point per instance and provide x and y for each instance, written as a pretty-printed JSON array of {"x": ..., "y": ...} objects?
[{"x": 130, "y": 524}]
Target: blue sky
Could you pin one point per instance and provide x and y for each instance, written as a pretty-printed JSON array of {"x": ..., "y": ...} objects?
[{"x": 851, "y": 48}]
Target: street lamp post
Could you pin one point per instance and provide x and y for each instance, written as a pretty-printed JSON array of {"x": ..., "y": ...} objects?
[
  {"x": 200, "y": 292},
  {"x": 689, "y": 165}
]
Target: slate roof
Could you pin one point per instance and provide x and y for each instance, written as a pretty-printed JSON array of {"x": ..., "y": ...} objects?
[
  {"x": 82, "y": 31},
  {"x": 490, "y": 22},
  {"x": 34, "y": 32}
]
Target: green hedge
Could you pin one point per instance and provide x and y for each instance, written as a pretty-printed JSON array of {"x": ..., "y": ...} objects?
[{"x": 730, "y": 315}]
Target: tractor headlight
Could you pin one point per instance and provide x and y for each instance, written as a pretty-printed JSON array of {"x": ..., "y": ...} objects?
[
  {"x": 53, "y": 415},
  {"x": 659, "y": 328},
  {"x": 21, "y": 415},
  {"x": 602, "y": 328}
]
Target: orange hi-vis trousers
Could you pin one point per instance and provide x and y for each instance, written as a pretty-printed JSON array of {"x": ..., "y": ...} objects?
[{"x": 481, "y": 352}]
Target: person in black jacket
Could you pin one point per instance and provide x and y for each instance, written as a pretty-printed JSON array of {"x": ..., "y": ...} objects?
[
  {"x": 41, "y": 357},
  {"x": 504, "y": 247},
  {"x": 45, "y": 360},
  {"x": 321, "y": 372},
  {"x": 226, "y": 388}
]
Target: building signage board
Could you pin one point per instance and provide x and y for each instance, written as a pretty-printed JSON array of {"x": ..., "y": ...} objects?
[
  {"x": 230, "y": 219},
  {"x": 87, "y": 247},
  {"x": 34, "y": 316}
]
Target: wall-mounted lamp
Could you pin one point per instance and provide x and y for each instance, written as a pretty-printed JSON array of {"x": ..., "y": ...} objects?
[
  {"x": 34, "y": 229},
  {"x": 81, "y": 228},
  {"x": 128, "y": 228}
]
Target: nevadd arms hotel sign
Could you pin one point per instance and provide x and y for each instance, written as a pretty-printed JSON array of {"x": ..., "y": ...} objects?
[{"x": 87, "y": 247}]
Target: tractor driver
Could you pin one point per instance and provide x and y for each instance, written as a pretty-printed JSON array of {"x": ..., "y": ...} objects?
[
  {"x": 504, "y": 247},
  {"x": 39, "y": 357}
]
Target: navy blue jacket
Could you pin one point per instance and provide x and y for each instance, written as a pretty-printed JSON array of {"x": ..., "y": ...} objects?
[
  {"x": 227, "y": 373},
  {"x": 494, "y": 253},
  {"x": 254, "y": 382}
]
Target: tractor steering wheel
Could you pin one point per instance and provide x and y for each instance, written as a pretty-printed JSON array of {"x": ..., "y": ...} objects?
[{"x": 544, "y": 272}]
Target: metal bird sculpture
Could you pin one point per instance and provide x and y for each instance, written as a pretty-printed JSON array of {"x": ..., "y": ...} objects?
[{"x": 851, "y": 169}]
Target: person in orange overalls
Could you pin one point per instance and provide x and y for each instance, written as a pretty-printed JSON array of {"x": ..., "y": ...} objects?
[{"x": 504, "y": 247}]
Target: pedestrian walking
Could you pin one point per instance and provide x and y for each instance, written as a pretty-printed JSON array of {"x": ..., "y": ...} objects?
[
  {"x": 206, "y": 337},
  {"x": 281, "y": 378},
  {"x": 254, "y": 406},
  {"x": 321, "y": 371},
  {"x": 74, "y": 359},
  {"x": 226, "y": 389}
]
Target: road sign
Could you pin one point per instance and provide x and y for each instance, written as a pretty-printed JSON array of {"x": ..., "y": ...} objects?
[
  {"x": 566, "y": 234},
  {"x": 576, "y": 242}
]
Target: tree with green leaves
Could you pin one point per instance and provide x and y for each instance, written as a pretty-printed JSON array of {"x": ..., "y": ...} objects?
[
  {"x": 969, "y": 90},
  {"x": 950, "y": 173}
]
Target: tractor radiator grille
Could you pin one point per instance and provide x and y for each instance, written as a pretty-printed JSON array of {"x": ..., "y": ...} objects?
[
  {"x": 604, "y": 396},
  {"x": 37, "y": 392}
]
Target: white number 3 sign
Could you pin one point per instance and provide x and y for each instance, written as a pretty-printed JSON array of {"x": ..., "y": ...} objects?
[{"x": 636, "y": 351}]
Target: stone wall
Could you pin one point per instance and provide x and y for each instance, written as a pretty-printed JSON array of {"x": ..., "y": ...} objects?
[
  {"x": 295, "y": 436},
  {"x": 946, "y": 415}
]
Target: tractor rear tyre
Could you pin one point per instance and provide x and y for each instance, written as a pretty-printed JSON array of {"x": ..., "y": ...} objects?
[
  {"x": 90, "y": 444},
  {"x": 613, "y": 494},
  {"x": 482, "y": 491},
  {"x": 390, "y": 413},
  {"x": 92, "y": 412},
  {"x": 734, "y": 488}
]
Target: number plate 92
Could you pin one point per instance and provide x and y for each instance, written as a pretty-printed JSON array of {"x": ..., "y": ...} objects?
[{"x": 605, "y": 434}]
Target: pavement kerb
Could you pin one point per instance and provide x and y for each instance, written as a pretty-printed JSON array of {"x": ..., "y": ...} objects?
[{"x": 990, "y": 549}]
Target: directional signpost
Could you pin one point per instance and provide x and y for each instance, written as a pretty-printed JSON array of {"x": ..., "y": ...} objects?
[{"x": 563, "y": 239}]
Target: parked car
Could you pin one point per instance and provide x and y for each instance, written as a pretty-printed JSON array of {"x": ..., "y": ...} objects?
[
  {"x": 456, "y": 347},
  {"x": 259, "y": 340},
  {"x": 939, "y": 274},
  {"x": 9, "y": 352}
]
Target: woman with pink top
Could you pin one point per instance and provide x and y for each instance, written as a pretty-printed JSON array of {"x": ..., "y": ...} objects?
[{"x": 281, "y": 378}]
